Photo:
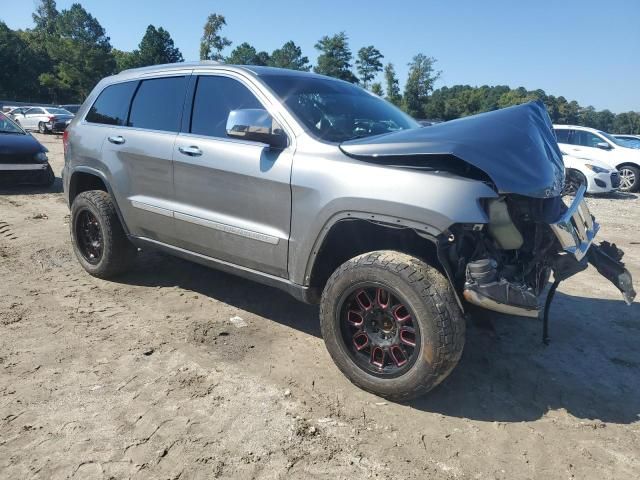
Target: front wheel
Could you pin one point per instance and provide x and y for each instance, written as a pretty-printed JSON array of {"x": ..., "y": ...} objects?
[
  {"x": 391, "y": 324},
  {"x": 629, "y": 178},
  {"x": 99, "y": 241}
]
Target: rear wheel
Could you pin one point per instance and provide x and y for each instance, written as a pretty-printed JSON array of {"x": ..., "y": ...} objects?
[
  {"x": 99, "y": 241},
  {"x": 42, "y": 128},
  {"x": 629, "y": 178},
  {"x": 391, "y": 324}
]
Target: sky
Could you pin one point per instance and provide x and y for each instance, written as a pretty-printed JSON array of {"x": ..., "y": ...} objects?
[{"x": 585, "y": 50}]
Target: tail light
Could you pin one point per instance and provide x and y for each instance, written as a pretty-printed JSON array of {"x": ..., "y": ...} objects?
[
  {"x": 51, "y": 118},
  {"x": 65, "y": 140}
]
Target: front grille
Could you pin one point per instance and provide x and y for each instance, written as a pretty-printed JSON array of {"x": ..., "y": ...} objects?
[{"x": 615, "y": 179}]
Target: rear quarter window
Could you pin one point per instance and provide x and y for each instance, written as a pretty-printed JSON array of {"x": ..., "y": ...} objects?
[
  {"x": 112, "y": 104},
  {"x": 158, "y": 104}
]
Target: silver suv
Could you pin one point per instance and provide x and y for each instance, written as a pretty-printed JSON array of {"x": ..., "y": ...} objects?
[{"x": 318, "y": 187}]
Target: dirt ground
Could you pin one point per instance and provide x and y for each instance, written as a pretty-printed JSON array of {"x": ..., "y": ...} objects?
[{"x": 147, "y": 377}]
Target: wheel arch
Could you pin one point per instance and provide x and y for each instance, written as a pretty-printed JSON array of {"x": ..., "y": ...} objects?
[
  {"x": 366, "y": 233},
  {"x": 83, "y": 179}
]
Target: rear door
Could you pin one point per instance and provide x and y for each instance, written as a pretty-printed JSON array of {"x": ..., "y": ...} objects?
[
  {"x": 233, "y": 197},
  {"x": 32, "y": 117},
  {"x": 139, "y": 156}
]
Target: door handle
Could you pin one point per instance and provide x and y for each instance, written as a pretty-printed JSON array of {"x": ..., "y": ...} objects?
[
  {"x": 118, "y": 140},
  {"x": 192, "y": 151}
]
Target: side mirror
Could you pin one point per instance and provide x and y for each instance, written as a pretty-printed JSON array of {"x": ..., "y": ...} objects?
[
  {"x": 603, "y": 145},
  {"x": 257, "y": 125}
]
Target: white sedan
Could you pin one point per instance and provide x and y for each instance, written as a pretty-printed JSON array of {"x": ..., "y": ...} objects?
[
  {"x": 44, "y": 119},
  {"x": 597, "y": 175}
]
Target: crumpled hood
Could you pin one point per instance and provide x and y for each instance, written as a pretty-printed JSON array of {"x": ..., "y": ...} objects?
[{"x": 515, "y": 147}]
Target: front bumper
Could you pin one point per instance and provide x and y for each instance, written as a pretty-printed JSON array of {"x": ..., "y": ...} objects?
[
  {"x": 21, "y": 167},
  {"x": 603, "y": 182},
  {"x": 576, "y": 229}
]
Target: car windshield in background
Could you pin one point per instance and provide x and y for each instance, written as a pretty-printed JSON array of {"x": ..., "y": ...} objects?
[
  {"x": 58, "y": 111},
  {"x": 7, "y": 126},
  {"x": 617, "y": 141},
  {"x": 336, "y": 111}
]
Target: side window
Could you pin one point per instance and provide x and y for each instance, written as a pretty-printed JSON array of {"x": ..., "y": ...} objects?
[
  {"x": 112, "y": 104},
  {"x": 586, "y": 139},
  {"x": 215, "y": 97},
  {"x": 562, "y": 134},
  {"x": 158, "y": 104},
  {"x": 35, "y": 111}
]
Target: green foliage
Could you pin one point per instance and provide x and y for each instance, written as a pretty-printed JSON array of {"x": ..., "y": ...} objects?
[
  {"x": 212, "y": 43},
  {"x": 335, "y": 57},
  {"x": 45, "y": 17},
  {"x": 81, "y": 55},
  {"x": 124, "y": 60},
  {"x": 246, "y": 54},
  {"x": 157, "y": 47},
  {"x": 21, "y": 65},
  {"x": 289, "y": 56},
  {"x": 368, "y": 64},
  {"x": 392, "y": 85},
  {"x": 377, "y": 89},
  {"x": 422, "y": 76}
]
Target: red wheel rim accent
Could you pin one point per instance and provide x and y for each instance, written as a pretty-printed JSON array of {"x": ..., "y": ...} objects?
[{"x": 379, "y": 330}]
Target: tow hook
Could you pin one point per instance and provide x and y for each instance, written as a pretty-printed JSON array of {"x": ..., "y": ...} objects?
[{"x": 606, "y": 258}]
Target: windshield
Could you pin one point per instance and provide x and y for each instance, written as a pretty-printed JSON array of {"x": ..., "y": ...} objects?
[
  {"x": 612, "y": 139},
  {"x": 7, "y": 126},
  {"x": 337, "y": 111},
  {"x": 58, "y": 111}
]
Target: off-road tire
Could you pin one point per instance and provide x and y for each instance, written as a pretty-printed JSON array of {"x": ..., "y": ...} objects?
[
  {"x": 118, "y": 252},
  {"x": 429, "y": 295}
]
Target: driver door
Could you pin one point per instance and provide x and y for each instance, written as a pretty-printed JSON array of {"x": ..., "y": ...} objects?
[{"x": 233, "y": 197}]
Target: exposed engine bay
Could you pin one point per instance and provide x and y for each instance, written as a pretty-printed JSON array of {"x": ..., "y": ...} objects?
[{"x": 506, "y": 265}]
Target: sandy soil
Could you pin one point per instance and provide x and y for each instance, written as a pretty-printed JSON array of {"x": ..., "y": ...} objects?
[{"x": 146, "y": 377}]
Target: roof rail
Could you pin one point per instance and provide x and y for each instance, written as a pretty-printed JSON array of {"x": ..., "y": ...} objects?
[{"x": 176, "y": 65}]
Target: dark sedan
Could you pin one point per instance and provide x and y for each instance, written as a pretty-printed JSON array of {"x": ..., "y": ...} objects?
[{"x": 23, "y": 160}]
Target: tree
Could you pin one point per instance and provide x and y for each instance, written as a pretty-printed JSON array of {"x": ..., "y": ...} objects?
[
  {"x": 335, "y": 59},
  {"x": 212, "y": 44},
  {"x": 45, "y": 17},
  {"x": 419, "y": 84},
  {"x": 21, "y": 66},
  {"x": 368, "y": 64},
  {"x": 377, "y": 89},
  {"x": 157, "y": 47},
  {"x": 81, "y": 54},
  {"x": 125, "y": 60},
  {"x": 289, "y": 56},
  {"x": 246, "y": 54},
  {"x": 392, "y": 85}
]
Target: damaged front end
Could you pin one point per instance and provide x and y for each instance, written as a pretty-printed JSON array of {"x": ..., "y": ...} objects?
[{"x": 505, "y": 265}]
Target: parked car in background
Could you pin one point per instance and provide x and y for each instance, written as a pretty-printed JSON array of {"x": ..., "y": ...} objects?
[
  {"x": 316, "y": 186},
  {"x": 44, "y": 119},
  {"x": 596, "y": 175},
  {"x": 591, "y": 144},
  {"x": 23, "y": 160},
  {"x": 73, "y": 108},
  {"x": 13, "y": 112},
  {"x": 632, "y": 140}
]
